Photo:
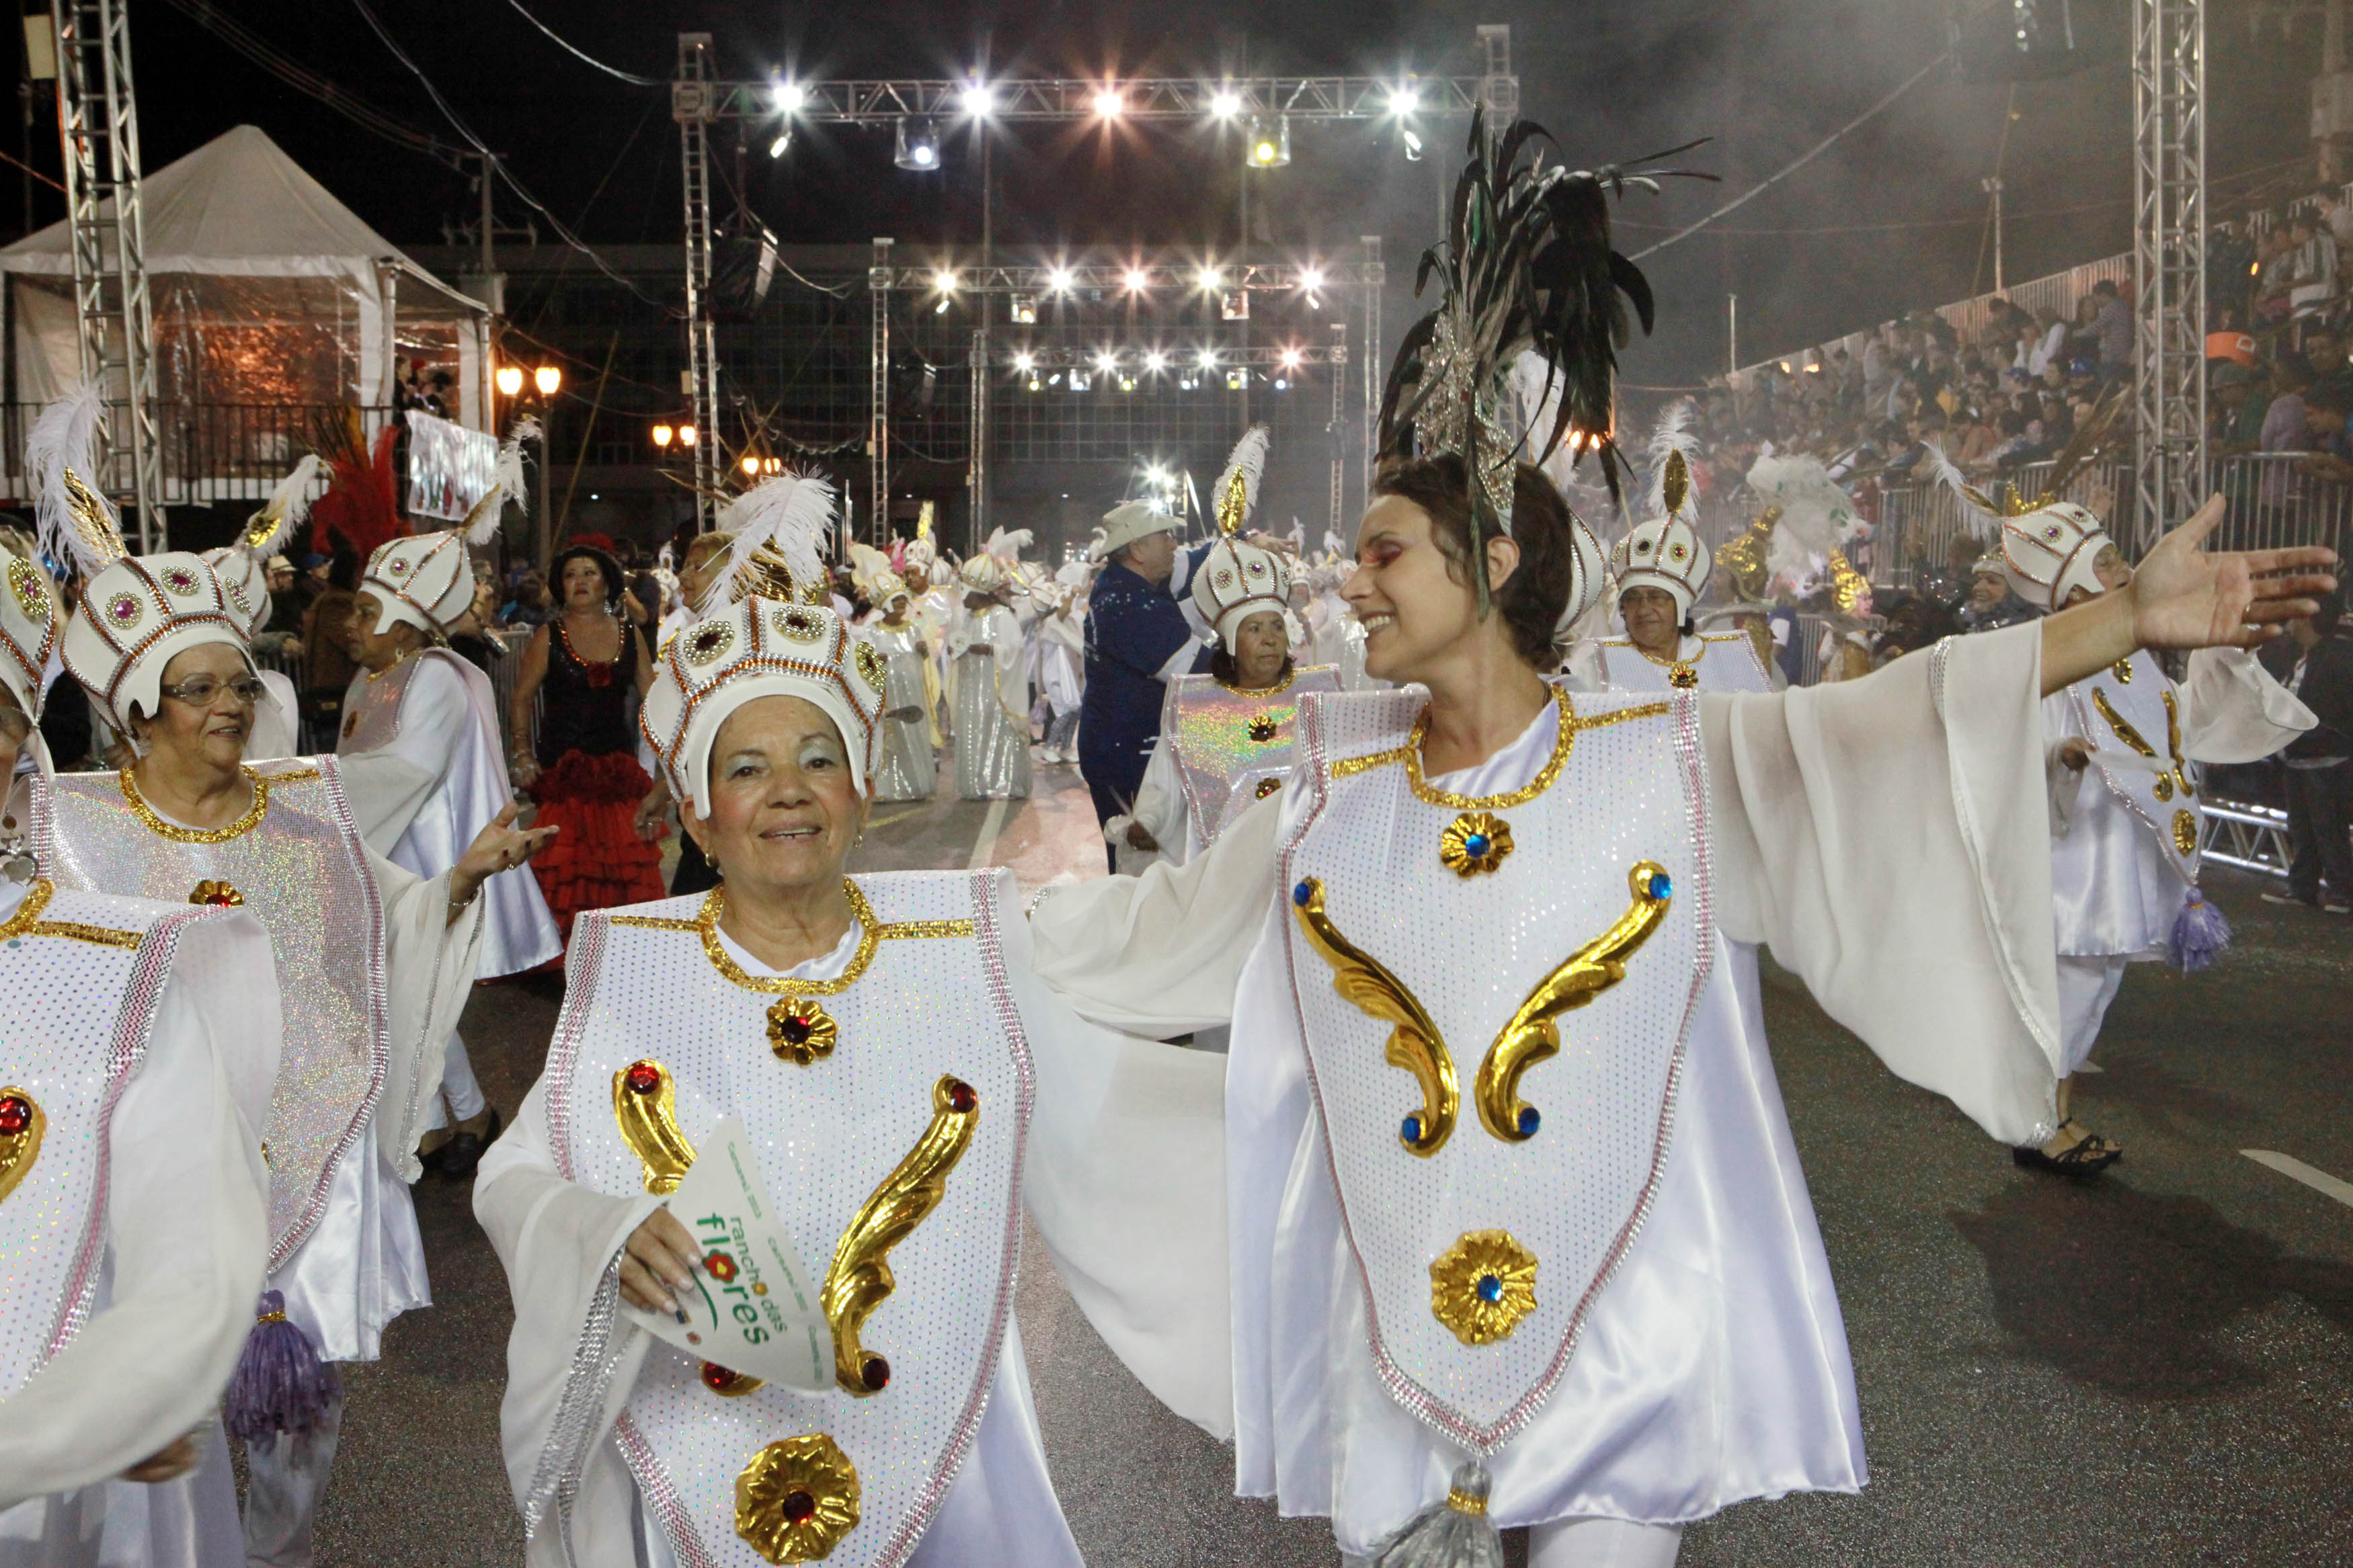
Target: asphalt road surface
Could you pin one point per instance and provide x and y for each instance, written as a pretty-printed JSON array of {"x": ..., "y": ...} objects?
[{"x": 2154, "y": 1369}]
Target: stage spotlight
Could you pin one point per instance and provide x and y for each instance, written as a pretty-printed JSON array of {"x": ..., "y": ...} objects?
[
  {"x": 1127, "y": 384},
  {"x": 1226, "y": 104},
  {"x": 1312, "y": 279},
  {"x": 1024, "y": 360},
  {"x": 1059, "y": 279},
  {"x": 1032, "y": 383},
  {"x": 790, "y": 98},
  {"x": 1106, "y": 361},
  {"x": 1412, "y": 146},
  {"x": 1236, "y": 380},
  {"x": 1155, "y": 360},
  {"x": 776, "y": 148},
  {"x": 918, "y": 146},
  {"x": 1025, "y": 309},
  {"x": 1404, "y": 100},
  {"x": 1281, "y": 385},
  {"x": 1109, "y": 104},
  {"x": 1291, "y": 358},
  {"x": 942, "y": 307},
  {"x": 1268, "y": 145},
  {"x": 978, "y": 99},
  {"x": 1208, "y": 360},
  {"x": 1209, "y": 278},
  {"x": 1185, "y": 384},
  {"x": 1234, "y": 305},
  {"x": 1080, "y": 380},
  {"x": 1137, "y": 281},
  {"x": 944, "y": 280}
]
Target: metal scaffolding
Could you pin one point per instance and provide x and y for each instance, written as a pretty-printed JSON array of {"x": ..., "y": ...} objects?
[
  {"x": 689, "y": 106},
  {"x": 2168, "y": 263},
  {"x": 98, "y": 125}
]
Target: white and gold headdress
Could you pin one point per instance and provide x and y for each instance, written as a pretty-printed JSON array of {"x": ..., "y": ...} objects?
[
  {"x": 28, "y": 630},
  {"x": 1237, "y": 579},
  {"x": 776, "y": 642},
  {"x": 1665, "y": 552},
  {"x": 244, "y": 567}
]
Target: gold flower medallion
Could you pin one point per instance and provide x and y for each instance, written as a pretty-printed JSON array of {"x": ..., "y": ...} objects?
[
  {"x": 219, "y": 894},
  {"x": 1474, "y": 842},
  {"x": 799, "y": 1031},
  {"x": 797, "y": 1499},
  {"x": 1483, "y": 1285},
  {"x": 21, "y": 1127},
  {"x": 2185, "y": 832},
  {"x": 1262, "y": 728}
]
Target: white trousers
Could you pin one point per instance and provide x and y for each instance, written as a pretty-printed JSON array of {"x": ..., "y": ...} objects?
[
  {"x": 1592, "y": 1543},
  {"x": 460, "y": 1096},
  {"x": 2086, "y": 986},
  {"x": 282, "y": 1491}
]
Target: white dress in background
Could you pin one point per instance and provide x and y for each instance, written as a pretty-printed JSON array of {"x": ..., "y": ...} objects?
[
  {"x": 1724, "y": 661},
  {"x": 137, "y": 1236},
  {"x": 1221, "y": 749},
  {"x": 1711, "y": 1366},
  {"x": 908, "y": 770},
  {"x": 992, "y": 710},
  {"x": 2122, "y": 858}
]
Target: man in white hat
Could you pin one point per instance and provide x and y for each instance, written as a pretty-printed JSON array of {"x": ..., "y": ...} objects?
[{"x": 1137, "y": 637}]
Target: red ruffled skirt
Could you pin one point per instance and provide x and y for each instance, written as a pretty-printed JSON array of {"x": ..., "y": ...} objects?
[{"x": 597, "y": 861}]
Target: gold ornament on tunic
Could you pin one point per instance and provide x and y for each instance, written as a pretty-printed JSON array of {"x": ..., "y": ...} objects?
[
  {"x": 1474, "y": 842},
  {"x": 2185, "y": 832},
  {"x": 22, "y": 1124},
  {"x": 797, "y": 1499},
  {"x": 1483, "y": 1285},
  {"x": 860, "y": 1278},
  {"x": 644, "y": 1107},
  {"x": 800, "y": 1031},
  {"x": 1414, "y": 1042}
]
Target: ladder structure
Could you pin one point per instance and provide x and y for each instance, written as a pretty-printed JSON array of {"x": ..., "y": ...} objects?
[
  {"x": 691, "y": 101},
  {"x": 98, "y": 124},
  {"x": 2169, "y": 264}
]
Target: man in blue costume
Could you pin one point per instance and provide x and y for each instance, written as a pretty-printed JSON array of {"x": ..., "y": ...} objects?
[{"x": 1137, "y": 637}]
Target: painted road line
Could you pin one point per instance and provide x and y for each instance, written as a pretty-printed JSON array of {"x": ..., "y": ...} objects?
[
  {"x": 898, "y": 816},
  {"x": 984, "y": 846},
  {"x": 2290, "y": 1166}
]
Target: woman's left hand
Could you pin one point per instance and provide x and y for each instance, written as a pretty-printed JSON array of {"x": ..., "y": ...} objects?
[
  {"x": 2186, "y": 597},
  {"x": 500, "y": 846}
]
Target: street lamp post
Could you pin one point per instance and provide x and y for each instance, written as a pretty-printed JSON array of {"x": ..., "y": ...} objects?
[{"x": 546, "y": 381}]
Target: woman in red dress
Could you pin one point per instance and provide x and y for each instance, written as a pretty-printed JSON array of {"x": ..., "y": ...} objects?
[{"x": 583, "y": 771}]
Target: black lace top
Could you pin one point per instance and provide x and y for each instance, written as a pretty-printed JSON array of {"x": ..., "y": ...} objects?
[{"x": 584, "y": 706}]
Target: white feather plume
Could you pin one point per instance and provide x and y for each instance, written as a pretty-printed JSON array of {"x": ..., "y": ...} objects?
[
  {"x": 1074, "y": 575},
  {"x": 1673, "y": 434},
  {"x": 63, "y": 437},
  {"x": 1334, "y": 545},
  {"x": 790, "y": 511},
  {"x": 284, "y": 511},
  {"x": 1977, "y": 513},
  {"x": 1249, "y": 460},
  {"x": 1817, "y": 515},
  {"x": 1007, "y": 547}
]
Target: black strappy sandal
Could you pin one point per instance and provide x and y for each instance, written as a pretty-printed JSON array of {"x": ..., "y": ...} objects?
[{"x": 2089, "y": 1156}]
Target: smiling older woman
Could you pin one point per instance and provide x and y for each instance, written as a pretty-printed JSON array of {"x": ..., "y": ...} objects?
[
  {"x": 373, "y": 963},
  {"x": 898, "y": 1076}
]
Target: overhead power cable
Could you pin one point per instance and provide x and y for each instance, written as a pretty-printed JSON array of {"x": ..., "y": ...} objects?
[
  {"x": 492, "y": 161},
  {"x": 303, "y": 80},
  {"x": 581, "y": 55},
  {"x": 1819, "y": 148}
]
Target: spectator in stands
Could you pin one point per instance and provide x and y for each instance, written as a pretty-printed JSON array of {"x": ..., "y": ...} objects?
[
  {"x": 2328, "y": 451},
  {"x": 2284, "y": 421},
  {"x": 2323, "y": 353},
  {"x": 1879, "y": 367},
  {"x": 532, "y": 606},
  {"x": 2319, "y": 781},
  {"x": 2336, "y": 217},
  {"x": 287, "y": 602},
  {"x": 2115, "y": 326},
  {"x": 2314, "y": 274},
  {"x": 2236, "y": 398},
  {"x": 2274, "y": 275}
]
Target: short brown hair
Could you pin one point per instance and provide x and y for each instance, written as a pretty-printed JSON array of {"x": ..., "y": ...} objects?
[{"x": 1542, "y": 524}]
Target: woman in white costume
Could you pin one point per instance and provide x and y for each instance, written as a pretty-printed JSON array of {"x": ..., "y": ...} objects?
[
  {"x": 1226, "y": 736},
  {"x": 991, "y": 697},
  {"x": 424, "y": 770},
  {"x": 1661, "y": 567},
  {"x": 243, "y": 569},
  {"x": 134, "y": 1070},
  {"x": 1426, "y": 1343},
  {"x": 907, "y": 768},
  {"x": 373, "y": 963},
  {"x": 889, "y": 1055},
  {"x": 2127, "y": 802},
  {"x": 1062, "y": 662}
]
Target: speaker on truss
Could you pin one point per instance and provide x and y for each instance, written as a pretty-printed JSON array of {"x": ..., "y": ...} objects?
[
  {"x": 2033, "y": 40},
  {"x": 741, "y": 268}
]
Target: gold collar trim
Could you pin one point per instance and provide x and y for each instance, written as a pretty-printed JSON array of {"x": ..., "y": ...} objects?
[
  {"x": 179, "y": 834},
  {"x": 28, "y": 922},
  {"x": 1572, "y": 722},
  {"x": 871, "y": 934},
  {"x": 1280, "y": 686}
]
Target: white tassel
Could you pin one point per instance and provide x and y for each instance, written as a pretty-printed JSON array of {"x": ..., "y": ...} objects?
[
  {"x": 1457, "y": 1533},
  {"x": 1246, "y": 462},
  {"x": 62, "y": 440},
  {"x": 790, "y": 511}
]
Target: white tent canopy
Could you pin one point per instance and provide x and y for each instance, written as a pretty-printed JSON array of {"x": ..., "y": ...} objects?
[{"x": 266, "y": 290}]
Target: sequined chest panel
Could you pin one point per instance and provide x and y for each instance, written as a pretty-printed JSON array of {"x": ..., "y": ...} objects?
[
  {"x": 1234, "y": 748},
  {"x": 887, "y": 1111},
  {"x": 372, "y": 711},
  {"x": 2131, "y": 715},
  {"x": 1495, "y": 995},
  {"x": 298, "y": 865},
  {"x": 1727, "y": 662},
  {"x": 82, "y": 975}
]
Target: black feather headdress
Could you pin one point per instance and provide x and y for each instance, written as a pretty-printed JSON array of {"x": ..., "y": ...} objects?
[{"x": 1525, "y": 268}]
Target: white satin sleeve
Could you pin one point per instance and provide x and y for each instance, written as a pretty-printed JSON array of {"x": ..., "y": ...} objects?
[
  {"x": 187, "y": 1230},
  {"x": 276, "y": 730},
  {"x": 429, "y": 965},
  {"x": 1889, "y": 838},
  {"x": 2233, "y": 711},
  {"x": 1159, "y": 953},
  {"x": 388, "y": 786},
  {"x": 1125, "y": 1181}
]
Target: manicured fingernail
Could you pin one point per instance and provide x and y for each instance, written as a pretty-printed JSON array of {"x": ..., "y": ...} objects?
[{"x": 680, "y": 1312}]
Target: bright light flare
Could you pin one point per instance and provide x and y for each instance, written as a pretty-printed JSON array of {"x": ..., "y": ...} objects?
[
  {"x": 686, "y": 435},
  {"x": 1226, "y": 104},
  {"x": 1312, "y": 280},
  {"x": 1109, "y": 104},
  {"x": 662, "y": 434},
  {"x": 1211, "y": 278},
  {"x": 944, "y": 280},
  {"x": 510, "y": 379},
  {"x": 1155, "y": 360},
  {"x": 1292, "y": 359},
  {"x": 547, "y": 378},
  {"x": 1025, "y": 360},
  {"x": 1137, "y": 281},
  {"x": 1405, "y": 101},
  {"x": 1208, "y": 360},
  {"x": 1059, "y": 279},
  {"x": 790, "y": 97},
  {"x": 1106, "y": 361},
  {"x": 978, "y": 99}
]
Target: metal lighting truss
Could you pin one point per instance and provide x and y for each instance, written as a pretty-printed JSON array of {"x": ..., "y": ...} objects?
[
  {"x": 690, "y": 99},
  {"x": 1175, "y": 362},
  {"x": 98, "y": 125},
  {"x": 1065, "y": 98},
  {"x": 2168, "y": 263}
]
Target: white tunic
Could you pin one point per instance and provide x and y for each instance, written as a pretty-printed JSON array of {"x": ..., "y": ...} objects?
[
  {"x": 1713, "y": 1367},
  {"x": 165, "y": 1266},
  {"x": 1724, "y": 661},
  {"x": 992, "y": 718},
  {"x": 422, "y": 768}
]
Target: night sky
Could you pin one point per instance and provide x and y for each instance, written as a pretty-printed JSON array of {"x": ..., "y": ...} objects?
[{"x": 1768, "y": 79}]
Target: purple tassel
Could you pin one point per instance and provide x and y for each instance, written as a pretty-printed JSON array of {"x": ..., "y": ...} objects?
[
  {"x": 280, "y": 1385},
  {"x": 2199, "y": 933}
]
